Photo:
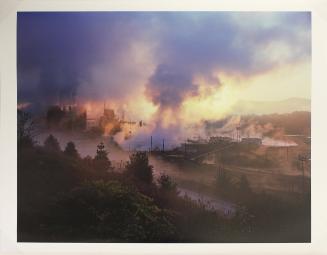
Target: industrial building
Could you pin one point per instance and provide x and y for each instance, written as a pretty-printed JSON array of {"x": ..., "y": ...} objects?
[
  {"x": 220, "y": 139},
  {"x": 252, "y": 140},
  {"x": 68, "y": 117}
]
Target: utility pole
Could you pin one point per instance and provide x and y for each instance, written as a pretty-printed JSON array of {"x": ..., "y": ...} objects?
[
  {"x": 238, "y": 135},
  {"x": 151, "y": 145},
  {"x": 185, "y": 149}
]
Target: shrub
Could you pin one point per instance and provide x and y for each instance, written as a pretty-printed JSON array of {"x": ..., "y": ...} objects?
[
  {"x": 166, "y": 184},
  {"x": 139, "y": 167},
  {"x": 110, "y": 211}
]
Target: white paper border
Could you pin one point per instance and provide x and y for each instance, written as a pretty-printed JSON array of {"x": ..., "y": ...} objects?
[{"x": 8, "y": 93}]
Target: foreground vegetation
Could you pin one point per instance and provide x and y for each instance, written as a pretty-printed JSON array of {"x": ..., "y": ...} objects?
[{"x": 65, "y": 198}]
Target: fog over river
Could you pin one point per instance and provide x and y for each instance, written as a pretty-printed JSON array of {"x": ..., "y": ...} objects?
[{"x": 87, "y": 147}]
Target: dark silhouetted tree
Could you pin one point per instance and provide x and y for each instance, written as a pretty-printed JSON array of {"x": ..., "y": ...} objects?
[
  {"x": 25, "y": 129},
  {"x": 244, "y": 220},
  {"x": 101, "y": 160},
  {"x": 167, "y": 184},
  {"x": 71, "y": 151},
  {"x": 102, "y": 154},
  {"x": 88, "y": 161},
  {"x": 52, "y": 144},
  {"x": 138, "y": 166}
]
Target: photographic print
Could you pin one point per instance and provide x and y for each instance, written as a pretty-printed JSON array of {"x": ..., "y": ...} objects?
[{"x": 164, "y": 127}]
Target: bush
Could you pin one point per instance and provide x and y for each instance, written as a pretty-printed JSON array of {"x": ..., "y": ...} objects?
[
  {"x": 109, "y": 211},
  {"x": 166, "y": 184},
  {"x": 139, "y": 167}
]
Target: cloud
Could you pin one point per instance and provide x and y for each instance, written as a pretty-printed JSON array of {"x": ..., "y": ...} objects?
[
  {"x": 90, "y": 54},
  {"x": 118, "y": 54},
  {"x": 204, "y": 44},
  {"x": 168, "y": 84}
]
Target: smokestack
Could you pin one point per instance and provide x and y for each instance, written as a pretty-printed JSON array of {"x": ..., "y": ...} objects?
[
  {"x": 163, "y": 145},
  {"x": 151, "y": 145}
]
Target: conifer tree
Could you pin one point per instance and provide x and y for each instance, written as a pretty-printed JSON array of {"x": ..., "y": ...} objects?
[
  {"x": 71, "y": 150},
  {"x": 101, "y": 160},
  {"x": 52, "y": 144}
]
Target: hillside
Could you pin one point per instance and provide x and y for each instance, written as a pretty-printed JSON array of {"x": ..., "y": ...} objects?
[{"x": 268, "y": 107}]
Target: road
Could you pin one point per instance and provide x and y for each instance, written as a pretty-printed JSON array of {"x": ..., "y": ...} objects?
[{"x": 224, "y": 207}]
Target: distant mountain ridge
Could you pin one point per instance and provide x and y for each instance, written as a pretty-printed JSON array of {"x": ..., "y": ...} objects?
[{"x": 243, "y": 107}]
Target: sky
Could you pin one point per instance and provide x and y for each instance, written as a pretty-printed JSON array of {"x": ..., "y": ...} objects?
[{"x": 168, "y": 66}]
